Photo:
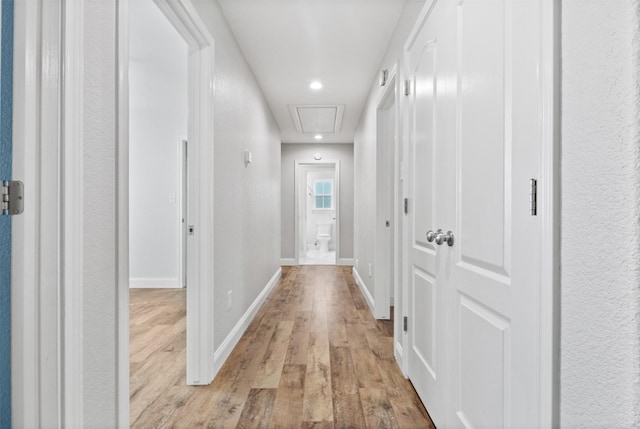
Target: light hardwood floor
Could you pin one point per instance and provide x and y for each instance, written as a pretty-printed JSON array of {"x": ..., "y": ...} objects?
[{"x": 313, "y": 357}]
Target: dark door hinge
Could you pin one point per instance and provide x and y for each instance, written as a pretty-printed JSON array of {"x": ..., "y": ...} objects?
[{"x": 533, "y": 193}]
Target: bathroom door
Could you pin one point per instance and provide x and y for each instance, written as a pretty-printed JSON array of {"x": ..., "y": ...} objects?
[{"x": 6, "y": 109}]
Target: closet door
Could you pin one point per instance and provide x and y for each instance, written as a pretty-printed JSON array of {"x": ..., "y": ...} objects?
[
  {"x": 431, "y": 129},
  {"x": 494, "y": 258}
]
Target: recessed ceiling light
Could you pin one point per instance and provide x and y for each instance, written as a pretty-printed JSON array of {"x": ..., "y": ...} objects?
[
  {"x": 315, "y": 85},
  {"x": 318, "y": 137}
]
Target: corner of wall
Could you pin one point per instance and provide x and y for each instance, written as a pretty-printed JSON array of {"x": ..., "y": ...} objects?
[
  {"x": 224, "y": 350},
  {"x": 365, "y": 144},
  {"x": 364, "y": 289}
]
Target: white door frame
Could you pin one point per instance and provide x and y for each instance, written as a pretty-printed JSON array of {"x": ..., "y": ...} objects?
[
  {"x": 297, "y": 182},
  {"x": 47, "y": 245},
  {"x": 549, "y": 210},
  {"x": 183, "y": 195},
  {"x": 192, "y": 28},
  {"x": 386, "y": 181}
]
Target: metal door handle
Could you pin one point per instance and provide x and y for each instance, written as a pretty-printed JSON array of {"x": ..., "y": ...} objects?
[
  {"x": 432, "y": 235},
  {"x": 444, "y": 238}
]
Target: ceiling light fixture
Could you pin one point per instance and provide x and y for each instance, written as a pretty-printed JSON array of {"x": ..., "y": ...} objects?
[
  {"x": 318, "y": 137},
  {"x": 315, "y": 85}
]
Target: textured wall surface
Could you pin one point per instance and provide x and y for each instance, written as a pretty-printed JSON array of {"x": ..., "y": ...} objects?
[
  {"x": 100, "y": 251},
  {"x": 305, "y": 152},
  {"x": 247, "y": 198},
  {"x": 365, "y": 150},
  {"x": 157, "y": 122},
  {"x": 600, "y": 251},
  {"x": 6, "y": 100}
]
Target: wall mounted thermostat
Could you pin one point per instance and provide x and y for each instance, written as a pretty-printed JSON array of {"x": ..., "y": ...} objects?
[{"x": 317, "y": 156}]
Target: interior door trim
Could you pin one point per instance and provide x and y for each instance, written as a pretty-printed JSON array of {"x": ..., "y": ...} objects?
[{"x": 298, "y": 167}]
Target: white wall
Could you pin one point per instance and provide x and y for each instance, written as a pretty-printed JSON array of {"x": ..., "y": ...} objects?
[
  {"x": 100, "y": 246},
  {"x": 158, "y": 119},
  {"x": 247, "y": 198},
  {"x": 304, "y": 152},
  {"x": 365, "y": 152},
  {"x": 600, "y": 250}
]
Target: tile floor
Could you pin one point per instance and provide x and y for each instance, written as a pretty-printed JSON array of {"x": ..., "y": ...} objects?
[{"x": 315, "y": 257}]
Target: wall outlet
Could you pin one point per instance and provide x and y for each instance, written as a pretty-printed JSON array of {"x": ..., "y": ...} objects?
[
  {"x": 356, "y": 263},
  {"x": 229, "y": 300},
  {"x": 370, "y": 269}
]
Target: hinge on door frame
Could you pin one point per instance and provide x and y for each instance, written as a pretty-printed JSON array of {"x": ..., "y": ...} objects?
[
  {"x": 12, "y": 197},
  {"x": 533, "y": 193},
  {"x": 407, "y": 87},
  {"x": 406, "y": 206},
  {"x": 405, "y": 324}
]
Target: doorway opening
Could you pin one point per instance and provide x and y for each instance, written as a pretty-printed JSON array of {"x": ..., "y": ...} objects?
[
  {"x": 188, "y": 197},
  {"x": 317, "y": 212},
  {"x": 157, "y": 119},
  {"x": 388, "y": 195},
  {"x": 158, "y": 126}
]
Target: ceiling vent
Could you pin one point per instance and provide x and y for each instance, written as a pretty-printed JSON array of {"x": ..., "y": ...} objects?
[{"x": 317, "y": 118}]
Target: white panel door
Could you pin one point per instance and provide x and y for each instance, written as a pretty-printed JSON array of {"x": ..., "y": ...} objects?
[
  {"x": 431, "y": 131},
  {"x": 493, "y": 268},
  {"x": 474, "y": 132}
]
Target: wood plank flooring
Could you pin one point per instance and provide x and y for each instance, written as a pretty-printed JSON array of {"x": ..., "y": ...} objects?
[{"x": 314, "y": 357}]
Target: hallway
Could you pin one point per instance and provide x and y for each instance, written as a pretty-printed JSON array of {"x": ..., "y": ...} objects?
[{"x": 313, "y": 357}]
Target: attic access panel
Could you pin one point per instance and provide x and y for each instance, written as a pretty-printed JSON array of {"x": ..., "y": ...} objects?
[{"x": 317, "y": 118}]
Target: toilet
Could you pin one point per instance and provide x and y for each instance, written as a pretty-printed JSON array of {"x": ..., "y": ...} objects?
[{"x": 323, "y": 237}]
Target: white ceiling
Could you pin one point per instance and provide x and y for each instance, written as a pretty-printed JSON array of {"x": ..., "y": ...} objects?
[{"x": 290, "y": 43}]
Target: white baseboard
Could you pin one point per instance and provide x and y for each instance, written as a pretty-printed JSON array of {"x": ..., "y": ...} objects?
[
  {"x": 397, "y": 348},
  {"x": 220, "y": 356},
  {"x": 399, "y": 355},
  {"x": 287, "y": 262},
  {"x": 349, "y": 262},
  {"x": 154, "y": 282},
  {"x": 364, "y": 290}
]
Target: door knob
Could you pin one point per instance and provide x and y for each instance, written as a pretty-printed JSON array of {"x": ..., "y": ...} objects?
[
  {"x": 444, "y": 238},
  {"x": 432, "y": 235}
]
